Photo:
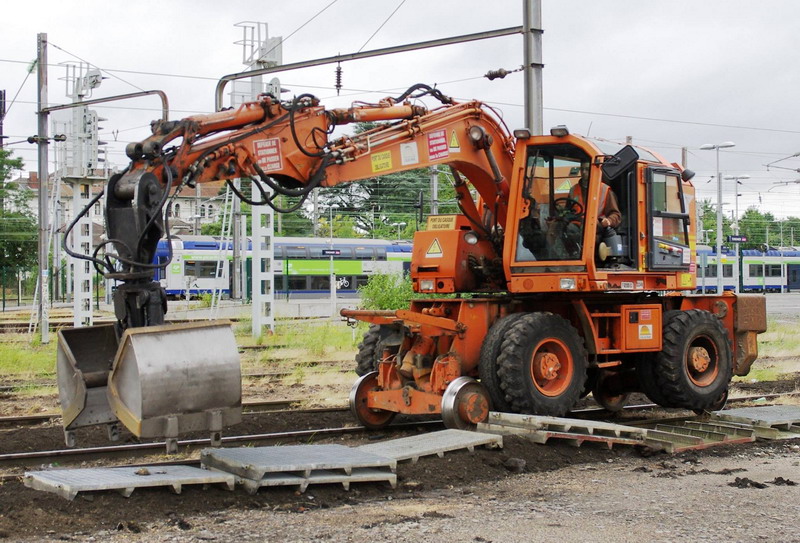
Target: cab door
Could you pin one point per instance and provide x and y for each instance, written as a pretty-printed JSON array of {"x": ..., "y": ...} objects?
[{"x": 668, "y": 224}]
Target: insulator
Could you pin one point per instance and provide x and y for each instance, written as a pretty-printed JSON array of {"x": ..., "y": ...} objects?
[
  {"x": 338, "y": 78},
  {"x": 496, "y": 74}
]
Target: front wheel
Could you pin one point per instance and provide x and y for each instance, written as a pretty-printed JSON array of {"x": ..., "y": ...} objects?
[
  {"x": 374, "y": 419},
  {"x": 694, "y": 366},
  {"x": 542, "y": 365}
]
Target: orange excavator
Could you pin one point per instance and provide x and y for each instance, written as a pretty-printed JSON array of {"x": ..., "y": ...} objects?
[{"x": 529, "y": 299}]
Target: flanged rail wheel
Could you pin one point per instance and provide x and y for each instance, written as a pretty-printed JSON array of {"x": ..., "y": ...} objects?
[
  {"x": 487, "y": 367},
  {"x": 465, "y": 403},
  {"x": 373, "y": 419},
  {"x": 542, "y": 365},
  {"x": 694, "y": 366},
  {"x": 604, "y": 394}
]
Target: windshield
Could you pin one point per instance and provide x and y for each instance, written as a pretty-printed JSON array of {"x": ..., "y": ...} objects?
[{"x": 552, "y": 220}]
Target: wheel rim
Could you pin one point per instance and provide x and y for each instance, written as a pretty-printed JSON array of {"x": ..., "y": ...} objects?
[
  {"x": 371, "y": 418},
  {"x": 702, "y": 362},
  {"x": 551, "y": 367},
  {"x": 465, "y": 403}
]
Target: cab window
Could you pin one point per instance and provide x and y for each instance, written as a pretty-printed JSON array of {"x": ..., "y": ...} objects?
[{"x": 552, "y": 219}]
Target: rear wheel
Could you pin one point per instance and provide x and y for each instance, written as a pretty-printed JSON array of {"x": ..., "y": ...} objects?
[
  {"x": 487, "y": 367},
  {"x": 368, "y": 356},
  {"x": 542, "y": 365},
  {"x": 694, "y": 366}
]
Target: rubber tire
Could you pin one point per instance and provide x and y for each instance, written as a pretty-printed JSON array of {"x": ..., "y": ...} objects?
[
  {"x": 515, "y": 364},
  {"x": 487, "y": 365},
  {"x": 681, "y": 328},
  {"x": 368, "y": 356}
]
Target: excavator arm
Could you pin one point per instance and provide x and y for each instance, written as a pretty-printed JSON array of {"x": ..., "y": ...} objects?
[{"x": 290, "y": 148}]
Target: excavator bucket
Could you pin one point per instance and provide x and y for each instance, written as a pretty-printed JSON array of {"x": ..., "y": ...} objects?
[
  {"x": 159, "y": 381},
  {"x": 83, "y": 363}
]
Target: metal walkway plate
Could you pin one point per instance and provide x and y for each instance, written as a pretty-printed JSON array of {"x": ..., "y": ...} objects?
[
  {"x": 783, "y": 417},
  {"x": 300, "y": 465},
  {"x": 68, "y": 482},
  {"x": 541, "y": 429},
  {"x": 438, "y": 443},
  {"x": 357, "y": 475}
]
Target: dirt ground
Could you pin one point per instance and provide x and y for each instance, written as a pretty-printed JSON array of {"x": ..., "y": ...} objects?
[{"x": 523, "y": 492}]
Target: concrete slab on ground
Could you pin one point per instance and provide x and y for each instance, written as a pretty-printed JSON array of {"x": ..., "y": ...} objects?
[
  {"x": 255, "y": 462},
  {"x": 438, "y": 443},
  {"x": 783, "y": 417},
  {"x": 69, "y": 482}
]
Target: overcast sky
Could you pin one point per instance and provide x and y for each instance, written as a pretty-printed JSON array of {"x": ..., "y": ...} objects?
[{"x": 669, "y": 73}]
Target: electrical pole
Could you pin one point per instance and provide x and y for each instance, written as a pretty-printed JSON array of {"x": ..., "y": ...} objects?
[
  {"x": 532, "y": 69},
  {"x": 44, "y": 272}
]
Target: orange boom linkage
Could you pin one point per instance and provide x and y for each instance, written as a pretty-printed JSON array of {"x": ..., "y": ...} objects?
[{"x": 549, "y": 303}]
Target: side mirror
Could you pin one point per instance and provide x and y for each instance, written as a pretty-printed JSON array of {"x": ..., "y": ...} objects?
[{"x": 615, "y": 165}]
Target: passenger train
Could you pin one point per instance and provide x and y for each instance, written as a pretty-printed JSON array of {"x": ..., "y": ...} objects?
[
  {"x": 303, "y": 271},
  {"x": 201, "y": 264},
  {"x": 760, "y": 271}
]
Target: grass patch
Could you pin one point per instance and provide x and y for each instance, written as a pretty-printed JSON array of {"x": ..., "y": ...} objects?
[
  {"x": 780, "y": 339},
  {"x": 23, "y": 360}
]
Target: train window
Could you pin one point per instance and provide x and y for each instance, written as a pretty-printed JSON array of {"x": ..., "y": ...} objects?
[
  {"x": 367, "y": 253},
  {"x": 360, "y": 280},
  {"x": 280, "y": 252},
  {"x": 207, "y": 270},
  {"x": 773, "y": 270},
  {"x": 727, "y": 270},
  {"x": 297, "y": 282},
  {"x": 320, "y": 282},
  {"x": 756, "y": 270},
  {"x": 296, "y": 252},
  {"x": 711, "y": 270},
  {"x": 190, "y": 268}
]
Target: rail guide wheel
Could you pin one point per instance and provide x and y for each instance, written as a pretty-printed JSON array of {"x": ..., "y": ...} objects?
[
  {"x": 465, "y": 403},
  {"x": 374, "y": 419},
  {"x": 606, "y": 396}
]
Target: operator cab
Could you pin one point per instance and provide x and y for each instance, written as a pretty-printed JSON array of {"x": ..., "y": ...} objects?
[{"x": 569, "y": 188}]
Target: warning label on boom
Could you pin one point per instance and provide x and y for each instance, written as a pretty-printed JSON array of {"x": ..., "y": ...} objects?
[
  {"x": 268, "y": 154},
  {"x": 435, "y": 250}
]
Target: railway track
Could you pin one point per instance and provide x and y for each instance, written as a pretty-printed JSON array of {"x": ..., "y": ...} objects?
[
  {"x": 18, "y": 461},
  {"x": 23, "y": 460},
  {"x": 248, "y": 408}
]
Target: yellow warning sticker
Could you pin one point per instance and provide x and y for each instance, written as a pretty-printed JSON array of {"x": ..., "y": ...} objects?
[
  {"x": 564, "y": 187},
  {"x": 435, "y": 250},
  {"x": 453, "y": 143},
  {"x": 645, "y": 331},
  {"x": 381, "y": 161},
  {"x": 686, "y": 279}
]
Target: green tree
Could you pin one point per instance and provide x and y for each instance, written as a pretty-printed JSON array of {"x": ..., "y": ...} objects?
[
  {"x": 754, "y": 225},
  {"x": 18, "y": 226}
]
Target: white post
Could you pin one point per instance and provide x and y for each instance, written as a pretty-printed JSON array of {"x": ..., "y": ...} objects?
[{"x": 333, "y": 275}]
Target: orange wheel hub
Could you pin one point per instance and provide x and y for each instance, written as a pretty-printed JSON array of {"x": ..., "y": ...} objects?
[
  {"x": 699, "y": 359},
  {"x": 702, "y": 362},
  {"x": 551, "y": 367}
]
